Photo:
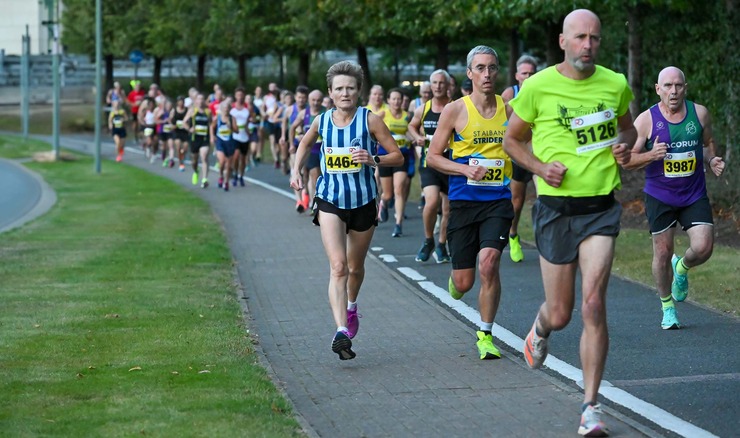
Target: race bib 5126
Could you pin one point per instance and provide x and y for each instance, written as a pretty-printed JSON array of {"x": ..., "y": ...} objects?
[{"x": 594, "y": 131}]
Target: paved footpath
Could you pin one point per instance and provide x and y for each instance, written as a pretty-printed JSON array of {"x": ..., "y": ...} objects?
[{"x": 416, "y": 372}]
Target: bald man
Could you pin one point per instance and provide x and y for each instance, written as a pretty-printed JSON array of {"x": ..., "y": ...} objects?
[
  {"x": 674, "y": 140},
  {"x": 577, "y": 115}
]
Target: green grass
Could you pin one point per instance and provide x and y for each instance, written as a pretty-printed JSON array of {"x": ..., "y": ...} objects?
[
  {"x": 713, "y": 284},
  {"x": 119, "y": 316},
  {"x": 72, "y": 118}
]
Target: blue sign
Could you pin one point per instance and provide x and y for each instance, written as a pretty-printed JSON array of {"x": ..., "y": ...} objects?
[{"x": 136, "y": 56}]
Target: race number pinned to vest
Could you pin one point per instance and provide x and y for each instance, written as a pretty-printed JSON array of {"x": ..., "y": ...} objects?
[
  {"x": 594, "y": 131},
  {"x": 339, "y": 160},
  {"x": 400, "y": 140},
  {"x": 679, "y": 165},
  {"x": 494, "y": 176}
]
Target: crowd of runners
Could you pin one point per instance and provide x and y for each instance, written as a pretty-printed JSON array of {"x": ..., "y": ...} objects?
[{"x": 567, "y": 129}]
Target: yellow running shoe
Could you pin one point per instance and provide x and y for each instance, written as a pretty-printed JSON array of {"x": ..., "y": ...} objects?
[
  {"x": 515, "y": 249},
  {"x": 453, "y": 291},
  {"x": 195, "y": 178},
  {"x": 486, "y": 349}
]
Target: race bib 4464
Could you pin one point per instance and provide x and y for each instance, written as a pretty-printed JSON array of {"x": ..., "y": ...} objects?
[{"x": 339, "y": 160}]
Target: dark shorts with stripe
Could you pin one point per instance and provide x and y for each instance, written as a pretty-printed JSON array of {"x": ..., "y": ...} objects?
[
  {"x": 662, "y": 216},
  {"x": 357, "y": 219}
]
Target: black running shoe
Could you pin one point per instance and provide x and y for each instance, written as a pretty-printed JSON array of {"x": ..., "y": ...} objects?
[{"x": 342, "y": 345}]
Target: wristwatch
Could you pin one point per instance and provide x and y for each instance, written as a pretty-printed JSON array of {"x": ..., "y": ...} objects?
[{"x": 376, "y": 159}]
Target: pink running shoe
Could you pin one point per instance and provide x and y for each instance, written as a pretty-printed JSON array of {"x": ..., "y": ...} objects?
[{"x": 353, "y": 323}]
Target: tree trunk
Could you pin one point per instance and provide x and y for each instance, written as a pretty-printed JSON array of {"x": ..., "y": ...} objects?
[
  {"x": 157, "y": 73},
  {"x": 281, "y": 75},
  {"x": 365, "y": 64},
  {"x": 200, "y": 79},
  {"x": 731, "y": 144},
  {"x": 443, "y": 53},
  {"x": 396, "y": 67},
  {"x": 514, "y": 54},
  {"x": 241, "y": 63},
  {"x": 554, "y": 53},
  {"x": 108, "y": 72},
  {"x": 304, "y": 62},
  {"x": 634, "y": 57}
]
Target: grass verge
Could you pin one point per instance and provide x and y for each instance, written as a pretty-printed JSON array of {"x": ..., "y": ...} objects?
[
  {"x": 121, "y": 319},
  {"x": 713, "y": 284}
]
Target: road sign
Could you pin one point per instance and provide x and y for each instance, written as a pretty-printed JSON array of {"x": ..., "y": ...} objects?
[{"x": 136, "y": 56}]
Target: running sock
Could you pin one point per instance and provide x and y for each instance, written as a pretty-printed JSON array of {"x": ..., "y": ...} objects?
[
  {"x": 512, "y": 236},
  {"x": 537, "y": 330},
  {"x": 486, "y": 326},
  {"x": 586, "y": 405},
  {"x": 342, "y": 329},
  {"x": 430, "y": 240},
  {"x": 667, "y": 302},
  {"x": 351, "y": 305},
  {"x": 681, "y": 267}
]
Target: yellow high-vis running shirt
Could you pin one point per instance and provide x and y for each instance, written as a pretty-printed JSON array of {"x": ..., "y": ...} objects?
[
  {"x": 575, "y": 122},
  {"x": 398, "y": 127}
]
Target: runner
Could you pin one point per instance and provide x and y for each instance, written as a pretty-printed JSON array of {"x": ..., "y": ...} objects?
[
  {"x": 346, "y": 192},
  {"x": 276, "y": 122},
  {"x": 393, "y": 179},
  {"x": 673, "y": 137},
  {"x": 148, "y": 126},
  {"x": 467, "y": 87},
  {"x": 254, "y": 132},
  {"x": 480, "y": 200},
  {"x": 116, "y": 94},
  {"x": 215, "y": 100},
  {"x": 425, "y": 93},
  {"x": 327, "y": 103},
  {"x": 221, "y": 128},
  {"x": 258, "y": 103},
  {"x": 303, "y": 123},
  {"x": 163, "y": 116},
  {"x": 434, "y": 184},
  {"x": 452, "y": 89},
  {"x": 197, "y": 121},
  {"x": 577, "y": 115},
  {"x": 375, "y": 103},
  {"x": 290, "y": 114},
  {"x": 117, "y": 126},
  {"x": 526, "y": 66},
  {"x": 181, "y": 132},
  {"x": 135, "y": 97},
  {"x": 241, "y": 115},
  {"x": 270, "y": 104}
]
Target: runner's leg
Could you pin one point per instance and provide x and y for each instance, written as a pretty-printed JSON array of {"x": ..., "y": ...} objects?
[{"x": 595, "y": 256}]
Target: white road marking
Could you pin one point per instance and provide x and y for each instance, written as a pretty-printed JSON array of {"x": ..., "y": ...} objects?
[
  {"x": 388, "y": 258},
  {"x": 411, "y": 273},
  {"x": 653, "y": 413},
  {"x": 376, "y": 248},
  {"x": 647, "y": 410}
]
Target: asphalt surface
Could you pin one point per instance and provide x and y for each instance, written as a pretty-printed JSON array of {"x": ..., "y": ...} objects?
[
  {"x": 22, "y": 195},
  {"x": 692, "y": 373}
]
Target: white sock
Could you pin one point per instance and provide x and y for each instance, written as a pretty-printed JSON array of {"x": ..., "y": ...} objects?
[
  {"x": 342, "y": 329},
  {"x": 351, "y": 305},
  {"x": 486, "y": 326}
]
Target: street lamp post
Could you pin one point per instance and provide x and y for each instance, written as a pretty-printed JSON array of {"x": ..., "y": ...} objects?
[{"x": 98, "y": 80}]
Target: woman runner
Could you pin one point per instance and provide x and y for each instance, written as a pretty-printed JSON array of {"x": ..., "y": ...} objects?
[{"x": 346, "y": 192}]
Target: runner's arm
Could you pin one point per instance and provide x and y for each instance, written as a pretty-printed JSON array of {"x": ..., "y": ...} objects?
[
  {"x": 212, "y": 129},
  {"x": 625, "y": 139},
  {"x": 641, "y": 157},
  {"x": 716, "y": 163},
  {"x": 507, "y": 95},
  {"x": 186, "y": 120},
  {"x": 296, "y": 123},
  {"x": 382, "y": 134},
  {"x": 301, "y": 154},
  {"x": 440, "y": 142},
  {"x": 415, "y": 128}
]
